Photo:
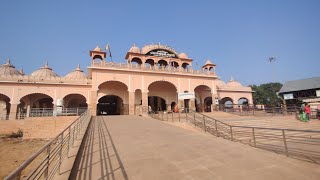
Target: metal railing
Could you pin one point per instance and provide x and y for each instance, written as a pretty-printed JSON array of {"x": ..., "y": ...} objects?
[
  {"x": 253, "y": 110},
  {"x": 166, "y": 116},
  {"x": 43, "y": 112},
  {"x": 45, "y": 163},
  {"x": 303, "y": 144}
]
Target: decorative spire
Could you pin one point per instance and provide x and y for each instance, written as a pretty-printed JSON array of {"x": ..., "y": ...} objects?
[
  {"x": 8, "y": 61},
  {"x": 231, "y": 79},
  {"x": 46, "y": 65},
  {"x": 21, "y": 71},
  {"x": 134, "y": 44},
  {"x": 78, "y": 68}
]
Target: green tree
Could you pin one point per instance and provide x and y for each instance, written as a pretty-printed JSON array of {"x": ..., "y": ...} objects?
[{"x": 267, "y": 94}]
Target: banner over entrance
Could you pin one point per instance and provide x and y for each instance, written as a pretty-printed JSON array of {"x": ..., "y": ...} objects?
[{"x": 186, "y": 96}]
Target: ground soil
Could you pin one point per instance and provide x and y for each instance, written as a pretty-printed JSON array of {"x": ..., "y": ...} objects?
[{"x": 14, "y": 151}]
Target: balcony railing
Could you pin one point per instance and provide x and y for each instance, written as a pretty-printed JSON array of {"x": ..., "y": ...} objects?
[{"x": 165, "y": 69}]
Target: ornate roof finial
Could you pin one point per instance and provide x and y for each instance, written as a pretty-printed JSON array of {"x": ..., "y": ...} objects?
[
  {"x": 46, "y": 65},
  {"x": 159, "y": 44},
  {"x": 21, "y": 71},
  {"x": 78, "y": 67},
  {"x": 134, "y": 44},
  {"x": 231, "y": 79},
  {"x": 8, "y": 61}
]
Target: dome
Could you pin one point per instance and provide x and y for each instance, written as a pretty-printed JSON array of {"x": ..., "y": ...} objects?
[
  {"x": 233, "y": 83},
  {"x": 220, "y": 83},
  {"x": 97, "y": 48},
  {"x": 77, "y": 74},
  {"x": 134, "y": 49},
  {"x": 208, "y": 62},
  {"x": 8, "y": 69},
  {"x": 183, "y": 55},
  {"x": 44, "y": 72}
]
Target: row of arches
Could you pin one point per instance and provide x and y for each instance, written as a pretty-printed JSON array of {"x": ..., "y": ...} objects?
[
  {"x": 160, "y": 63},
  {"x": 35, "y": 101},
  {"x": 113, "y": 99}
]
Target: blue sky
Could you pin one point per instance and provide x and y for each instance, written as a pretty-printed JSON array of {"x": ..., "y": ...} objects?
[{"x": 237, "y": 35}]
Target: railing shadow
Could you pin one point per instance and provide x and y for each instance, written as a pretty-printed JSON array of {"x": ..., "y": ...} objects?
[{"x": 98, "y": 157}]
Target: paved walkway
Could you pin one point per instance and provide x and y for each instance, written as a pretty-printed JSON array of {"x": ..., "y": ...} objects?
[{"x": 138, "y": 148}]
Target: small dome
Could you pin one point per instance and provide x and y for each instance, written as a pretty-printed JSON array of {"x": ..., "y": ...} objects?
[
  {"x": 97, "y": 48},
  {"x": 233, "y": 83},
  {"x": 134, "y": 49},
  {"x": 208, "y": 62},
  {"x": 8, "y": 69},
  {"x": 183, "y": 55},
  {"x": 44, "y": 72},
  {"x": 220, "y": 83},
  {"x": 77, "y": 74}
]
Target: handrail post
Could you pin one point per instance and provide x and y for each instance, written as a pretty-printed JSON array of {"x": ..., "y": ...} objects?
[
  {"x": 185, "y": 111},
  {"x": 69, "y": 140},
  {"x": 254, "y": 138},
  {"x": 172, "y": 115},
  {"x": 204, "y": 124},
  {"x": 162, "y": 116},
  {"x": 285, "y": 142},
  {"x": 46, "y": 171},
  {"x": 194, "y": 118},
  {"x": 60, "y": 153},
  {"x": 231, "y": 134},
  {"x": 167, "y": 116},
  {"x": 179, "y": 115}
]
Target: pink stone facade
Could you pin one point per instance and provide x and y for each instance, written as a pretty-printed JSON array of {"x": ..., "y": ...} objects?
[{"x": 155, "y": 76}]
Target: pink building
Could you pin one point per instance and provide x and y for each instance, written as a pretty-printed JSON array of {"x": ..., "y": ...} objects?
[{"x": 155, "y": 76}]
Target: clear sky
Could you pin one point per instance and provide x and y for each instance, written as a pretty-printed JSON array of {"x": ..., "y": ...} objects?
[{"x": 237, "y": 35}]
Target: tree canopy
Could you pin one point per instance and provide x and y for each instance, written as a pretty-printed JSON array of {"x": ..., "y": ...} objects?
[{"x": 267, "y": 94}]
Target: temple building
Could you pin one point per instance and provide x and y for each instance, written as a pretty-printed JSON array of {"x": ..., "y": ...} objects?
[{"x": 155, "y": 75}]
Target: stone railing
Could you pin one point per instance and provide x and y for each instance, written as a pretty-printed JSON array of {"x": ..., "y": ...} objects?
[
  {"x": 27, "y": 78},
  {"x": 164, "y": 69}
]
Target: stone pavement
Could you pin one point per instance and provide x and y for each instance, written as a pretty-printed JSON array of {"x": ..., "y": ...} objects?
[{"x": 140, "y": 148}]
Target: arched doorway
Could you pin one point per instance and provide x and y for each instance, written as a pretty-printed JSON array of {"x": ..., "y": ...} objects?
[
  {"x": 226, "y": 103},
  {"x": 110, "y": 105},
  {"x": 161, "y": 95},
  {"x": 75, "y": 101},
  {"x": 35, "y": 105},
  {"x": 4, "y": 107},
  {"x": 110, "y": 90},
  {"x": 201, "y": 93}
]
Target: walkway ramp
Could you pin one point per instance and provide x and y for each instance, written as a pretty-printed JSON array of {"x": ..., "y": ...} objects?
[{"x": 138, "y": 148}]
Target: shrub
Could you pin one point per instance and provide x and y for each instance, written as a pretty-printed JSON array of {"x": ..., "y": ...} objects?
[{"x": 17, "y": 134}]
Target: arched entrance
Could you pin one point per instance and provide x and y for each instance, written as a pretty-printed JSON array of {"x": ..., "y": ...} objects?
[
  {"x": 4, "y": 107},
  {"x": 110, "y": 105},
  {"x": 226, "y": 103},
  {"x": 35, "y": 105},
  {"x": 114, "y": 95},
  {"x": 74, "y": 101},
  {"x": 203, "y": 98},
  {"x": 161, "y": 95}
]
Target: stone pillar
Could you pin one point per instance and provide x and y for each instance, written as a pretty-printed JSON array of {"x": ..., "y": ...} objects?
[
  {"x": 28, "y": 110},
  {"x": 93, "y": 103},
  {"x": 214, "y": 107},
  {"x": 131, "y": 103},
  {"x": 152, "y": 103},
  {"x": 13, "y": 111},
  {"x": 144, "y": 102},
  {"x": 169, "y": 108}
]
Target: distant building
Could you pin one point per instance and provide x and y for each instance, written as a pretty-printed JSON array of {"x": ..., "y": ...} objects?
[
  {"x": 304, "y": 90},
  {"x": 155, "y": 76}
]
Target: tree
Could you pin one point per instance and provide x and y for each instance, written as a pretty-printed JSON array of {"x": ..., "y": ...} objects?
[{"x": 267, "y": 94}]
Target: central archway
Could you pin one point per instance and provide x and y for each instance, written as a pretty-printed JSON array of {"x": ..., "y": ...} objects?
[
  {"x": 161, "y": 95},
  {"x": 113, "y": 95},
  {"x": 110, "y": 105}
]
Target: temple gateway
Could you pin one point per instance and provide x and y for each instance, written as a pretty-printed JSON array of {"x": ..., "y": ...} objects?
[{"x": 155, "y": 77}]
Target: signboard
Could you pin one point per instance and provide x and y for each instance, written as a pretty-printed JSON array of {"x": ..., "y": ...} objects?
[
  {"x": 288, "y": 96},
  {"x": 161, "y": 53},
  {"x": 185, "y": 96},
  {"x": 318, "y": 93}
]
